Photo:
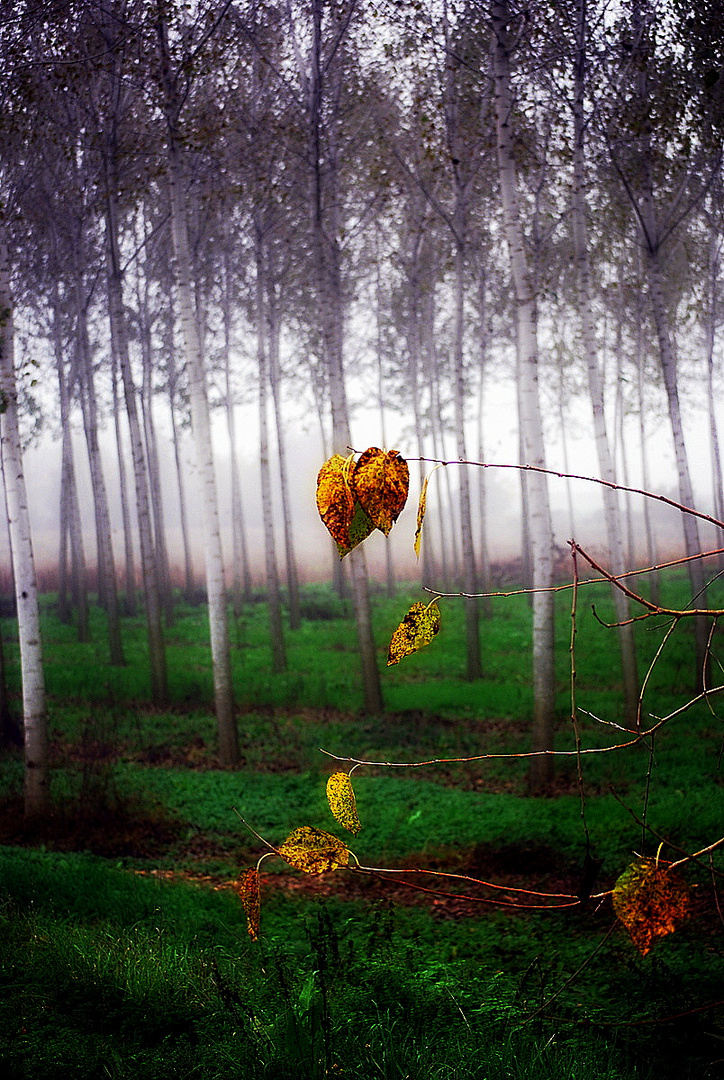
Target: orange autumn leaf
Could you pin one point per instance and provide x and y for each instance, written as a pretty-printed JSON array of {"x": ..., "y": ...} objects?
[
  {"x": 314, "y": 851},
  {"x": 342, "y": 803},
  {"x": 248, "y": 889},
  {"x": 416, "y": 630},
  {"x": 347, "y": 523},
  {"x": 380, "y": 482},
  {"x": 650, "y": 900}
]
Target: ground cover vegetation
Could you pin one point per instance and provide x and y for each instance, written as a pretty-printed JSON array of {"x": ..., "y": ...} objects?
[{"x": 125, "y": 944}]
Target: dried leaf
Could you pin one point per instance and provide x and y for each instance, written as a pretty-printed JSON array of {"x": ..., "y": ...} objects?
[
  {"x": 314, "y": 851},
  {"x": 342, "y": 803},
  {"x": 248, "y": 890},
  {"x": 418, "y": 628},
  {"x": 335, "y": 501},
  {"x": 380, "y": 482},
  {"x": 650, "y": 900},
  {"x": 422, "y": 506}
]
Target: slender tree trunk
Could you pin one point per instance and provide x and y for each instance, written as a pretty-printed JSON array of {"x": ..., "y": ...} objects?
[
  {"x": 473, "y": 669},
  {"x": 119, "y": 344},
  {"x": 711, "y": 322},
  {"x": 242, "y": 573},
  {"x": 130, "y": 601},
  {"x": 541, "y": 529},
  {"x": 612, "y": 512},
  {"x": 152, "y": 461},
  {"x": 325, "y": 233},
  {"x": 35, "y": 721},
  {"x": 201, "y": 426},
  {"x": 178, "y": 459},
  {"x": 70, "y": 508},
  {"x": 105, "y": 570},
  {"x": 276, "y": 626},
  {"x": 295, "y": 618}
]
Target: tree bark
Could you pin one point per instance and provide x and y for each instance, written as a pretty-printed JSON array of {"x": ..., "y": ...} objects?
[
  {"x": 35, "y": 720},
  {"x": 541, "y": 530},
  {"x": 612, "y": 512},
  {"x": 276, "y": 626},
  {"x": 200, "y": 421}
]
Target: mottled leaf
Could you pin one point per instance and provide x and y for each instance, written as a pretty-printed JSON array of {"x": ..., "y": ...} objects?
[
  {"x": 342, "y": 803},
  {"x": 248, "y": 889},
  {"x": 314, "y": 851},
  {"x": 360, "y": 528},
  {"x": 418, "y": 628},
  {"x": 380, "y": 482},
  {"x": 422, "y": 506},
  {"x": 650, "y": 900},
  {"x": 335, "y": 500}
]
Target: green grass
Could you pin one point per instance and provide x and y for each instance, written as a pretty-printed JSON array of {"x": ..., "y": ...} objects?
[
  {"x": 109, "y": 975},
  {"x": 108, "y": 972}
]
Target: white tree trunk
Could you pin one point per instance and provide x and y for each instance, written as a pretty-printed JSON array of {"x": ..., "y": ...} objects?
[
  {"x": 541, "y": 530},
  {"x": 612, "y": 511},
  {"x": 37, "y": 786},
  {"x": 201, "y": 427}
]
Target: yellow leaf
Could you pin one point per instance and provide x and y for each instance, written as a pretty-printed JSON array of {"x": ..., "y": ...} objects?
[
  {"x": 422, "y": 506},
  {"x": 342, "y": 803},
  {"x": 418, "y": 628},
  {"x": 650, "y": 900},
  {"x": 380, "y": 482},
  {"x": 314, "y": 851},
  {"x": 248, "y": 890},
  {"x": 335, "y": 501}
]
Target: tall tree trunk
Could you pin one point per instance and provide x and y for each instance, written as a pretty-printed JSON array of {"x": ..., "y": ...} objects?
[
  {"x": 275, "y": 380},
  {"x": 541, "y": 529},
  {"x": 711, "y": 323},
  {"x": 35, "y": 720},
  {"x": 242, "y": 573},
  {"x": 70, "y": 506},
  {"x": 130, "y": 602},
  {"x": 201, "y": 424},
  {"x": 178, "y": 461},
  {"x": 612, "y": 512},
  {"x": 105, "y": 570},
  {"x": 473, "y": 669},
  {"x": 276, "y": 626},
  {"x": 119, "y": 344},
  {"x": 325, "y": 231}
]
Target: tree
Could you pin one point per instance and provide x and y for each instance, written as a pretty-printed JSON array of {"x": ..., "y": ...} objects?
[
  {"x": 175, "y": 81},
  {"x": 541, "y": 529},
  {"x": 35, "y": 721}
]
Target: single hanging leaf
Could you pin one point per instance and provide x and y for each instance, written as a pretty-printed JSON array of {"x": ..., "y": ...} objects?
[
  {"x": 650, "y": 900},
  {"x": 422, "y": 506},
  {"x": 248, "y": 889},
  {"x": 418, "y": 628},
  {"x": 380, "y": 482},
  {"x": 314, "y": 851},
  {"x": 342, "y": 803},
  {"x": 335, "y": 501}
]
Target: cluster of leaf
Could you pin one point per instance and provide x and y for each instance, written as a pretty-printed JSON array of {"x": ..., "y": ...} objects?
[
  {"x": 354, "y": 499},
  {"x": 311, "y": 850}
]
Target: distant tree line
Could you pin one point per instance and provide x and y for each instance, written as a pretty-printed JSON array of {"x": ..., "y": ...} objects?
[{"x": 199, "y": 204}]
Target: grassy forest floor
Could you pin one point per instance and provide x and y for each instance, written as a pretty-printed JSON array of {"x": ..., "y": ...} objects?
[{"x": 124, "y": 950}]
